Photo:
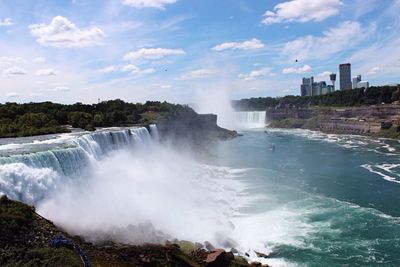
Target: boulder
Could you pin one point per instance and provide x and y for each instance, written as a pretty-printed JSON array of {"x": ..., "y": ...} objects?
[
  {"x": 219, "y": 258},
  {"x": 209, "y": 246},
  {"x": 261, "y": 255}
]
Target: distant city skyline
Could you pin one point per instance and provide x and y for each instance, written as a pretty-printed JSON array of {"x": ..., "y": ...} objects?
[
  {"x": 309, "y": 87},
  {"x": 182, "y": 50}
]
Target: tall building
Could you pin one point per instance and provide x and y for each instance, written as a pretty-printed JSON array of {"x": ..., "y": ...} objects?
[
  {"x": 345, "y": 76},
  {"x": 356, "y": 80},
  {"x": 306, "y": 87},
  {"x": 332, "y": 77},
  {"x": 311, "y": 88}
]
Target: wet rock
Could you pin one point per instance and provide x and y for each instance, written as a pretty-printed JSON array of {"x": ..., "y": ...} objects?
[
  {"x": 234, "y": 250},
  {"x": 219, "y": 258},
  {"x": 261, "y": 255},
  {"x": 209, "y": 246},
  {"x": 255, "y": 264},
  {"x": 198, "y": 245}
]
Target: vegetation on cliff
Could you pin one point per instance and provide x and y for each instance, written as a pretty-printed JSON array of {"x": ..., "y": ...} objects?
[
  {"x": 355, "y": 97},
  {"x": 45, "y": 118},
  {"x": 26, "y": 240}
]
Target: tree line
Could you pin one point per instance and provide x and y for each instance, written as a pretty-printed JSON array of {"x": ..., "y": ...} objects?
[
  {"x": 47, "y": 117},
  {"x": 355, "y": 97}
]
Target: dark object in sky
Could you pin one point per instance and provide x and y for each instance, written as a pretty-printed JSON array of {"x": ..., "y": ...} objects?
[
  {"x": 296, "y": 60},
  {"x": 165, "y": 70}
]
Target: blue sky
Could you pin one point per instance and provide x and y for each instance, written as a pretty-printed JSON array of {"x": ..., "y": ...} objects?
[{"x": 181, "y": 50}]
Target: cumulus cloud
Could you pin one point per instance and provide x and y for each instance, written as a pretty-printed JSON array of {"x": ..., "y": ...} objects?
[
  {"x": 39, "y": 60},
  {"x": 14, "y": 71},
  {"x": 160, "y": 4},
  {"x": 302, "y": 11},
  {"x": 342, "y": 37},
  {"x": 46, "y": 72},
  {"x": 61, "y": 32},
  {"x": 197, "y": 74},
  {"x": 300, "y": 70},
  {"x": 136, "y": 71},
  {"x": 107, "y": 69},
  {"x": 13, "y": 95},
  {"x": 246, "y": 45},
  {"x": 324, "y": 75},
  {"x": 6, "y": 22},
  {"x": 61, "y": 89},
  {"x": 152, "y": 53},
  {"x": 255, "y": 74}
]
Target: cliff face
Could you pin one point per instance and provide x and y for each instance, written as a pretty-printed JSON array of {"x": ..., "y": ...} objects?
[
  {"x": 368, "y": 120},
  {"x": 187, "y": 125}
]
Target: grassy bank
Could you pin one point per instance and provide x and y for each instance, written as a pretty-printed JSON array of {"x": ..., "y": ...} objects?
[{"x": 26, "y": 240}]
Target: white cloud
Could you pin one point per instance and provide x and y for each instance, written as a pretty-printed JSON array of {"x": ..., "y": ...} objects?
[
  {"x": 15, "y": 71},
  {"x": 39, "y": 60},
  {"x": 255, "y": 74},
  {"x": 61, "y": 89},
  {"x": 6, "y": 22},
  {"x": 152, "y": 53},
  {"x": 342, "y": 37},
  {"x": 246, "y": 45},
  {"x": 373, "y": 70},
  {"x": 300, "y": 70},
  {"x": 136, "y": 71},
  {"x": 129, "y": 67},
  {"x": 63, "y": 33},
  {"x": 302, "y": 11},
  {"x": 13, "y": 95},
  {"x": 166, "y": 86},
  {"x": 46, "y": 72},
  {"x": 107, "y": 69},
  {"x": 160, "y": 4},
  {"x": 197, "y": 74},
  {"x": 11, "y": 60},
  {"x": 324, "y": 75}
]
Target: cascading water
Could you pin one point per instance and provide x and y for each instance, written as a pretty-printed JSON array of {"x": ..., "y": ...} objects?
[
  {"x": 125, "y": 185},
  {"x": 30, "y": 177},
  {"x": 250, "y": 119}
]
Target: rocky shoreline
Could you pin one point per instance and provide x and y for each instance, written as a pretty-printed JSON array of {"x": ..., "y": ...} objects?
[
  {"x": 377, "y": 120},
  {"x": 28, "y": 239}
]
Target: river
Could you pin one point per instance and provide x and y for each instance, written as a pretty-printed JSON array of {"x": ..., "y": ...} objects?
[{"x": 307, "y": 198}]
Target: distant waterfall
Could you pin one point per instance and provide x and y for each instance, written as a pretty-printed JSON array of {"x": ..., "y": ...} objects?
[
  {"x": 250, "y": 119},
  {"x": 28, "y": 177}
]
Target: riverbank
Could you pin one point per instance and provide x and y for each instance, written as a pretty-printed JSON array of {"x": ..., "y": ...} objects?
[{"x": 375, "y": 120}]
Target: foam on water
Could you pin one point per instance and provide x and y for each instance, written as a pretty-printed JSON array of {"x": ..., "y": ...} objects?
[
  {"x": 386, "y": 171},
  {"x": 356, "y": 142},
  {"x": 67, "y": 156},
  {"x": 124, "y": 185}
]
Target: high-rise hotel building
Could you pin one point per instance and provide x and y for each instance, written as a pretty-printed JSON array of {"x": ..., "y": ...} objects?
[{"x": 345, "y": 76}]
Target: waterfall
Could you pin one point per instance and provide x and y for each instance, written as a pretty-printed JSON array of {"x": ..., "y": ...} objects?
[
  {"x": 250, "y": 119},
  {"x": 29, "y": 177}
]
